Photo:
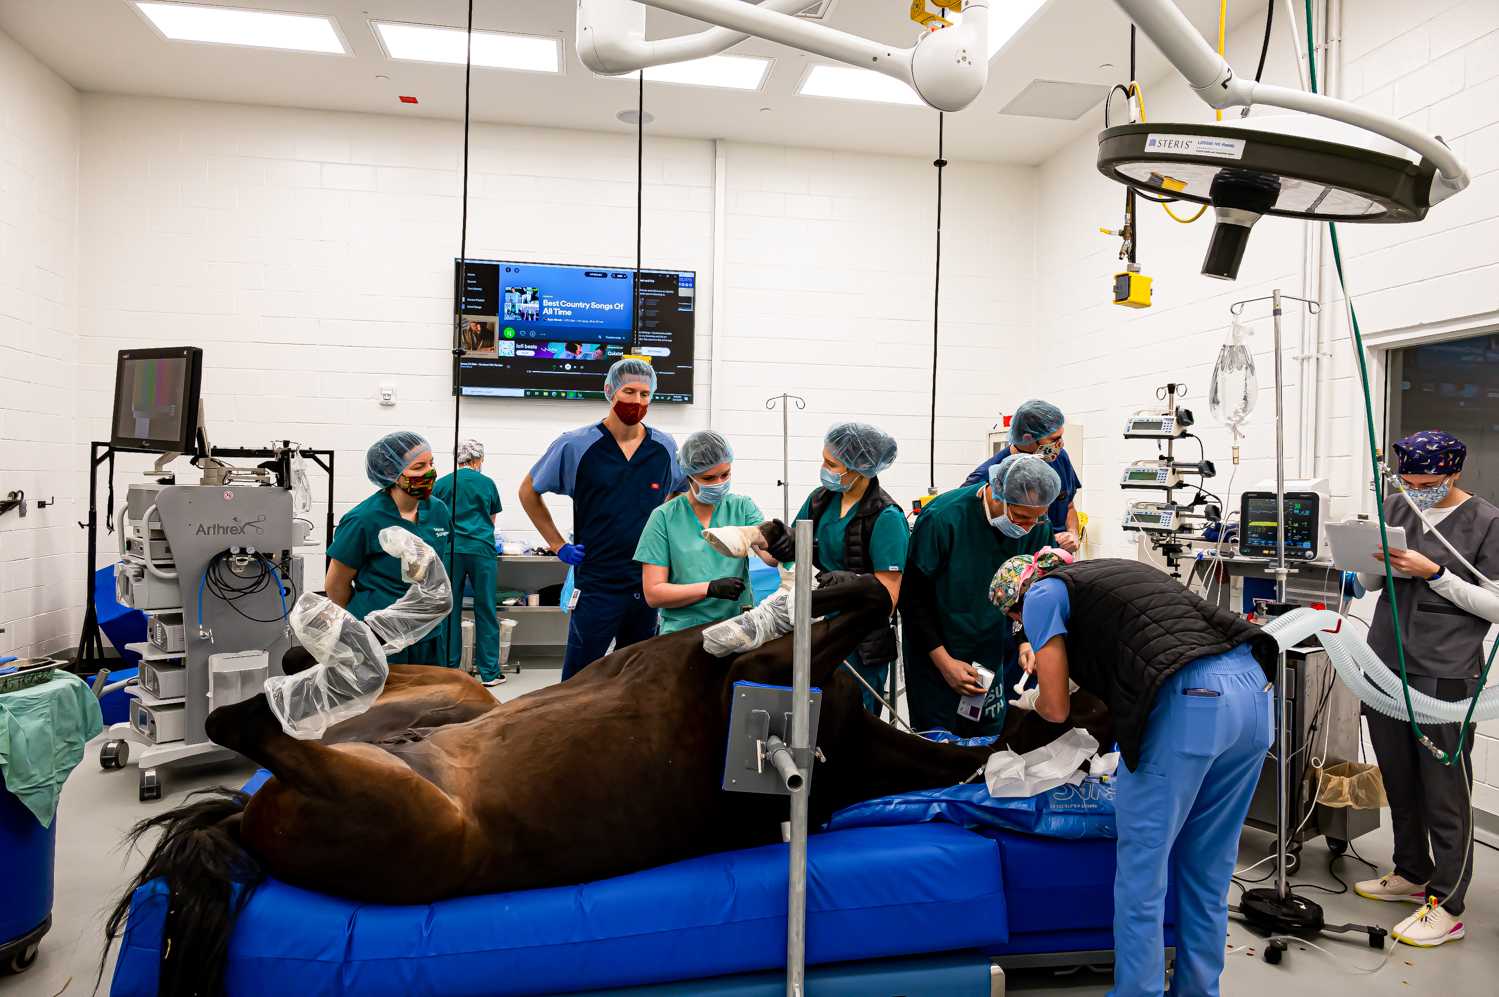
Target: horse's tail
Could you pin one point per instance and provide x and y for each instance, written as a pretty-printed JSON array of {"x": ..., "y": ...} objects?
[{"x": 209, "y": 876}]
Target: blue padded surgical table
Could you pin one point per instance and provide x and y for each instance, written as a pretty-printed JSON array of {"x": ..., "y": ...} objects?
[{"x": 922, "y": 908}]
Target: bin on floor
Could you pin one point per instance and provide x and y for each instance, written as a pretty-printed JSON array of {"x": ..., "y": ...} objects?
[
  {"x": 43, "y": 731},
  {"x": 26, "y": 860}
]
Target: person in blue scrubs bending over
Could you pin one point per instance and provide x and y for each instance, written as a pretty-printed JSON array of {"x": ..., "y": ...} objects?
[
  {"x": 1036, "y": 428},
  {"x": 616, "y": 472},
  {"x": 1188, "y": 686}
]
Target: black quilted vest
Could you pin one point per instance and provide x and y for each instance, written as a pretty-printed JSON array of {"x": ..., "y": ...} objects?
[
  {"x": 879, "y": 647},
  {"x": 1132, "y": 627}
]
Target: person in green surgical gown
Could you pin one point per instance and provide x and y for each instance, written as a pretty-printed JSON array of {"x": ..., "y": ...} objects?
[
  {"x": 949, "y": 625},
  {"x": 475, "y": 502},
  {"x": 361, "y": 576}
]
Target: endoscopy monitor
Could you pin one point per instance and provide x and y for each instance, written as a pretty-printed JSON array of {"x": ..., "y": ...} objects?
[
  {"x": 550, "y": 330},
  {"x": 156, "y": 400}
]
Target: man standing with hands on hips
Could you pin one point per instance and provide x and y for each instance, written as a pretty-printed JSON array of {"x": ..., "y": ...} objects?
[{"x": 616, "y": 472}]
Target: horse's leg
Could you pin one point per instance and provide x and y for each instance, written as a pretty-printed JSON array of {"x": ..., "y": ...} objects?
[
  {"x": 862, "y": 604},
  {"x": 333, "y": 816}
]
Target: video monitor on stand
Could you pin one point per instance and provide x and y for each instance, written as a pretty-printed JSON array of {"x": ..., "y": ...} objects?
[{"x": 158, "y": 400}]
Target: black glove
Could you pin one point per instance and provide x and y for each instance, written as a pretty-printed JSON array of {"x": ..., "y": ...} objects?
[
  {"x": 833, "y": 579},
  {"x": 780, "y": 543},
  {"x": 726, "y": 588}
]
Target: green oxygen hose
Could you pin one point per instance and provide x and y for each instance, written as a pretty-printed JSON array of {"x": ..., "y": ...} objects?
[{"x": 1444, "y": 757}]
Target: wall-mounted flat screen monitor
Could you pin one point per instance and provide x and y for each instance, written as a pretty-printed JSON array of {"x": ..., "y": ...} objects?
[
  {"x": 549, "y": 330},
  {"x": 157, "y": 394}
]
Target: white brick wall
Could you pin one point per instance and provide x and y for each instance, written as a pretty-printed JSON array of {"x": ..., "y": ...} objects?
[
  {"x": 309, "y": 254},
  {"x": 41, "y": 565},
  {"x": 1434, "y": 64}
]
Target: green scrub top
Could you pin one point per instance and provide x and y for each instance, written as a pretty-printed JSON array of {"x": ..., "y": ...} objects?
[
  {"x": 888, "y": 541},
  {"x": 473, "y": 516},
  {"x": 955, "y": 546},
  {"x": 377, "y": 579},
  {"x": 673, "y": 539}
]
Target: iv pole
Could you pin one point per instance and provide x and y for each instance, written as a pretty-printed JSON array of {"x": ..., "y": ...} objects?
[
  {"x": 1281, "y": 912},
  {"x": 785, "y": 482}
]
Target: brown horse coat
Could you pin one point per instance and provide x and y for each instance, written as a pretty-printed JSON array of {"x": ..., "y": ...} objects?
[{"x": 438, "y": 791}]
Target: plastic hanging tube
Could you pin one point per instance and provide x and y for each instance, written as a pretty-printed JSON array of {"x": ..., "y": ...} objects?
[{"x": 1369, "y": 677}]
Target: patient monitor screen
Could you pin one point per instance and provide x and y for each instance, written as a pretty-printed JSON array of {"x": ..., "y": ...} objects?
[{"x": 538, "y": 330}]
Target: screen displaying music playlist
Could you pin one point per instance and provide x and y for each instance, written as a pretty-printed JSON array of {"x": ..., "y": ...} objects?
[{"x": 535, "y": 330}]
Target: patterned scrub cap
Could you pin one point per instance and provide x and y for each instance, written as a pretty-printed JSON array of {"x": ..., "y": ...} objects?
[
  {"x": 1016, "y": 574},
  {"x": 1431, "y": 451}
]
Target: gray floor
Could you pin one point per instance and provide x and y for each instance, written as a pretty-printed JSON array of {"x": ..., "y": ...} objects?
[{"x": 98, "y": 806}]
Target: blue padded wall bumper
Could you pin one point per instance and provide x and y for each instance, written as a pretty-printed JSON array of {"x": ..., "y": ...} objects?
[{"x": 871, "y": 893}]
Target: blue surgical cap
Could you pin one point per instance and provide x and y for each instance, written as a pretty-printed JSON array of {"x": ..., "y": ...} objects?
[
  {"x": 625, "y": 371},
  {"x": 860, "y": 447},
  {"x": 390, "y": 455},
  {"x": 704, "y": 450},
  {"x": 1025, "y": 479},
  {"x": 1034, "y": 420}
]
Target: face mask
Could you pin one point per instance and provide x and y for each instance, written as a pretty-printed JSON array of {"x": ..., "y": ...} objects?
[
  {"x": 832, "y": 482},
  {"x": 1049, "y": 451},
  {"x": 1427, "y": 498},
  {"x": 711, "y": 494},
  {"x": 420, "y": 486},
  {"x": 1009, "y": 528},
  {"x": 631, "y": 413}
]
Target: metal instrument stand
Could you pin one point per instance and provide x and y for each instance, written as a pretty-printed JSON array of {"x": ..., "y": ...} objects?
[
  {"x": 1279, "y": 912},
  {"x": 801, "y": 753},
  {"x": 785, "y": 482}
]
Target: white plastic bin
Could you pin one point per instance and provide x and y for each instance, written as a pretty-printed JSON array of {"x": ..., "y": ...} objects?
[{"x": 235, "y": 677}]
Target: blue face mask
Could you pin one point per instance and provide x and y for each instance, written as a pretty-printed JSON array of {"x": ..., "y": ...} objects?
[
  {"x": 711, "y": 494},
  {"x": 1427, "y": 498},
  {"x": 1008, "y": 527},
  {"x": 833, "y": 482}
]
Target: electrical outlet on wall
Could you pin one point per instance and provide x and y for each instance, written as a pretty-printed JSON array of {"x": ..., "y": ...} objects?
[{"x": 387, "y": 395}]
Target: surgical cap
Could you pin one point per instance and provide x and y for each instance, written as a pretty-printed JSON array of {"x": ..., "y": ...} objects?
[
  {"x": 704, "y": 450},
  {"x": 1431, "y": 452},
  {"x": 1025, "y": 479},
  {"x": 860, "y": 447},
  {"x": 1034, "y": 420},
  {"x": 390, "y": 455},
  {"x": 1017, "y": 574},
  {"x": 626, "y": 371},
  {"x": 470, "y": 451}
]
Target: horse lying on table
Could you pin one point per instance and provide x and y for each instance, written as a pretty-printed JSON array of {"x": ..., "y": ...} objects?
[{"x": 439, "y": 791}]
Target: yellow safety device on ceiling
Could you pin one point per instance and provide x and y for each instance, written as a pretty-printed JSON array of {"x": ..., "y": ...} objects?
[
  {"x": 1132, "y": 289},
  {"x": 926, "y": 18}
]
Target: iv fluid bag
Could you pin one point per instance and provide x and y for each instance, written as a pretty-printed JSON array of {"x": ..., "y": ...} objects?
[
  {"x": 301, "y": 488},
  {"x": 1234, "y": 388}
]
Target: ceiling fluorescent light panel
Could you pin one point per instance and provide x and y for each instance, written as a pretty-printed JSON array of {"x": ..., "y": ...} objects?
[
  {"x": 449, "y": 46},
  {"x": 186, "y": 22}
]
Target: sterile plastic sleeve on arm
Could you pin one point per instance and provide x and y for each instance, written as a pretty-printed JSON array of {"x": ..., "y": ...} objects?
[
  {"x": 428, "y": 599},
  {"x": 348, "y": 678}
]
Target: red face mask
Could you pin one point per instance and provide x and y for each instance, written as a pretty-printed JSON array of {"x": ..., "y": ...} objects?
[{"x": 630, "y": 413}]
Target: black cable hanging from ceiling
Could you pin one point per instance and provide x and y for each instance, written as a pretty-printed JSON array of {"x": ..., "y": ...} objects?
[
  {"x": 941, "y": 164},
  {"x": 639, "y": 190},
  {"x": 462, "y": 284}
]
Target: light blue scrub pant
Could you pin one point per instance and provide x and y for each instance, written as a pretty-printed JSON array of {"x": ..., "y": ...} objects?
[{"x": 1179, "y": 815}]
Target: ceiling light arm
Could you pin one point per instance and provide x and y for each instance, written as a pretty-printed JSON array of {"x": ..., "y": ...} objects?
[
  {"x": 947, "y": 68},
  {"x": 1210, "y": 75},
  {"x": 611, "y": 37}
]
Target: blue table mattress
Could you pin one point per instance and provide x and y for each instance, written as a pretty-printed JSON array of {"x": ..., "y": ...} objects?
[{"x": 871, "y": 892}]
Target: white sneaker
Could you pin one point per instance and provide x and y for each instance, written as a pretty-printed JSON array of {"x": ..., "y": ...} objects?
[
  {"x": 1393, "y": 888},
  {"x": 497, "y": 680},
  {"x": 1429, "y": 927}
]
